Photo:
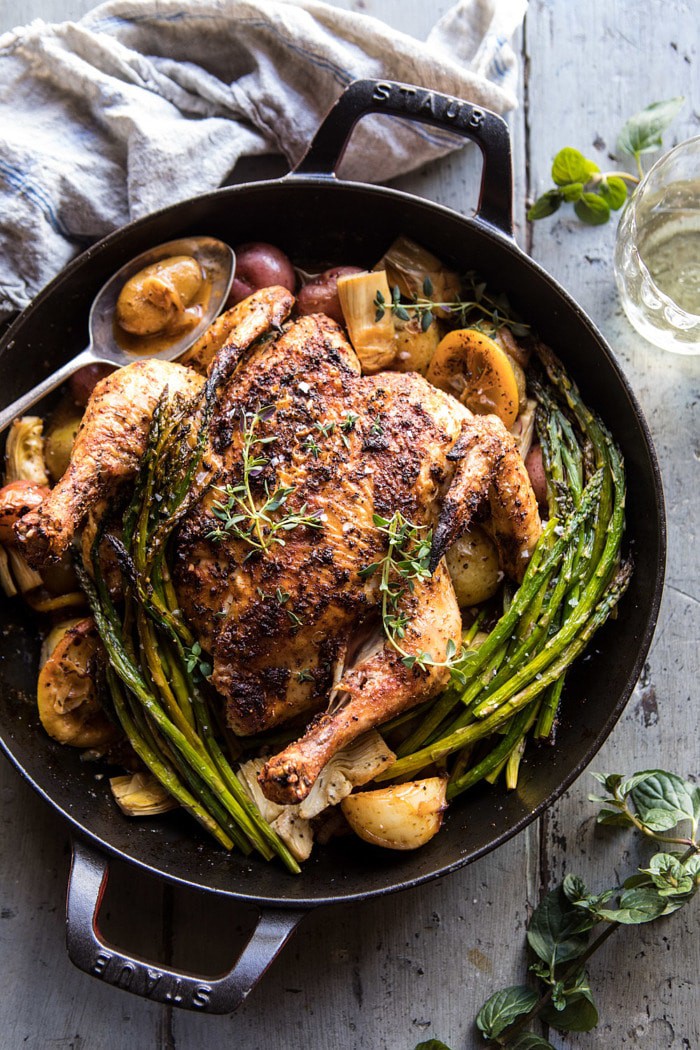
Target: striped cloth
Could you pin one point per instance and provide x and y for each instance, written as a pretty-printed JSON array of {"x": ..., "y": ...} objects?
[{"x": 143, "y": 103}]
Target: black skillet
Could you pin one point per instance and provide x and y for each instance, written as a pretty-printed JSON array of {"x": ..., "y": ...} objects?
[{"x": 317, "y": 218}]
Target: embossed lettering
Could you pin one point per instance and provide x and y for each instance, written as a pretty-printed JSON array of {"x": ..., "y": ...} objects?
[
  {"x": 407, "y": 92},
  {"x": 201, "y": 995},
  {"x": 126, "y": 975},
  {"x": 100, "y": 964},
  {"x": 381, "y": 92},
  {"x": 477, "y": 118},
  {"x": 174, "y": 996},
  {"x": 452, "y": 110},
  {"x": 428, "y": 104},
  {"x": 151, "y": 980}
]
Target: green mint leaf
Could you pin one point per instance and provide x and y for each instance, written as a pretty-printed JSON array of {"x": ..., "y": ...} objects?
[
  {"x": 503, "y": 1008},
  {"x": 574, "y": 888},
  {"x": 663, "y": 799},
  {"x": 613, "y": 189},
  {"x": 558, "y": 997},
  {"x": 427, "y": 287},
  {"x": 432, "y": 1044},
  {"x": 642, "y": 132},
  {"x": 638, "y": 905},
  {"x": 570, "y": 165},
  {"x": 592, "y": 209},
  {"x": 614, "y": 817},
  {"x": 635, "y": 880},
  {"x": 669, "y": 875},
  {"x": 530, "y": 1041},
  {"x": 557, "y": 929},
  {"x": 545, "y": 205},
  {"x": 579, "y": 1014},
  {"x": 692, "y": 865},
  {"x": 612, "y": 781},
  {"x": 573, "y": 191}
]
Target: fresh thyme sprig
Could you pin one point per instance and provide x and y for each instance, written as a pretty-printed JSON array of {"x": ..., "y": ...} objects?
[
  {"x": 481, "y": 308},
  {"x": 238, "y": 512},
  {"x": 406, "y": 560}
]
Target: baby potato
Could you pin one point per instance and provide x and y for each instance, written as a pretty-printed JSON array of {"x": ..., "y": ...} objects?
[
  {"x": 402, "y": 816},
  {"x": 320, "y": 294},
  {"x": 472, "y": 562},
  {"x": 82, "y": 383},
  {"x": 414, "y": 347},
  {"x": 260, "y": 265},
  {"x": 67, "y": 693},
  {"x": 63, "y": 425},
  {"x": 534, "y": 465},
  {"x": 155, "y": 299}
]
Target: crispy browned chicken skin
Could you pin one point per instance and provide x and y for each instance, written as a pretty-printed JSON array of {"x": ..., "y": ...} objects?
[{"x": 295, "y": 630}]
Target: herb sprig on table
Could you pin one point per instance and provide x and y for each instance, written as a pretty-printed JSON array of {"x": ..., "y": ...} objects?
[
  {"x": 595, "y": 193},
  {"x": 571, "y": 923}
]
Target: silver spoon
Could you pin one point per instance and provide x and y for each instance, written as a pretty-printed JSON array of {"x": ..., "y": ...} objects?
[{"x": 217, "y": 260}]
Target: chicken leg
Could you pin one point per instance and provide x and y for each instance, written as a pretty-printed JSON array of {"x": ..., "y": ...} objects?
[{"x": 377, "y": 688}]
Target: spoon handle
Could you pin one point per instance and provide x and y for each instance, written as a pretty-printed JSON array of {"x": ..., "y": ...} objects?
[{"x": 18, "y": 407}]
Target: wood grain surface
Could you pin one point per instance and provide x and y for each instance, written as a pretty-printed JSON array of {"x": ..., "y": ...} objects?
[{"x": 385, "y": 975}]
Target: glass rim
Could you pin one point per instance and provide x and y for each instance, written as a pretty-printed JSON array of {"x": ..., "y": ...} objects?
[{"x": 630, "y": 208}]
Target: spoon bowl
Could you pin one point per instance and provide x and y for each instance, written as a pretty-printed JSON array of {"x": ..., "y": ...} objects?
[{"x": 218, "y": 262}]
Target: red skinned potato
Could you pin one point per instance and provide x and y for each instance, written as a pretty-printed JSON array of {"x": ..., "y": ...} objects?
[
  {"x": 16, "y": 499},
  {"x": 534, "y": 465},
  {"x": 260, "y": 265},
  {"x": 82, "y": 383},
  {"x": 320, "y": 295}
]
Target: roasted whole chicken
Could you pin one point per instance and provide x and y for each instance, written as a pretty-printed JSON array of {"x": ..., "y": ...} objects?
[{"x": 289, "y": 616}]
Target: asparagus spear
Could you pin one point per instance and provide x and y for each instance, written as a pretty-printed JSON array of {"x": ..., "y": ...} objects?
[{"x": 479, "y": 730}]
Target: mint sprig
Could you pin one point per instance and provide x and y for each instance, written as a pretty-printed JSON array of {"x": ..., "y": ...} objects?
[
  {"x": 571, "y": 923},
  {"x": 595, "y": 194}
]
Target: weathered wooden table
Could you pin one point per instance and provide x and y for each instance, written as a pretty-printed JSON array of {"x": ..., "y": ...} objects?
[{"x": 391, "y": 973}]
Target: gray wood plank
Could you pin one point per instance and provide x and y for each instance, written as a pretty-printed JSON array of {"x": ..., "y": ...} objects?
[
  {"x": 590, "y": 68},
  {"x": 419, "y": 964}
]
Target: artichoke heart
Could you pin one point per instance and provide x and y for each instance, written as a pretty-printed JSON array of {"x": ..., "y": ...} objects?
[
  {"x": 408, "y": 265},
  {"x": 352, "y": 767},
  {"x": 141, "y": 795},
  {"x": 370, "y": 327},
  {"x": 24, "y": 452}
]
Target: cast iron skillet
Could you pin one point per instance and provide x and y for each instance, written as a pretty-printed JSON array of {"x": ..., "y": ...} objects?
[{"x": 318, "y": 219}]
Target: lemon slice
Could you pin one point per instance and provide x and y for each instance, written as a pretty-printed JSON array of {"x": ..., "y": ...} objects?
[{"x": 473, "y": 367}]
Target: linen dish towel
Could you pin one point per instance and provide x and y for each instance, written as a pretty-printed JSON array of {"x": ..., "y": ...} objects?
[{"x": 143, "y": 103}]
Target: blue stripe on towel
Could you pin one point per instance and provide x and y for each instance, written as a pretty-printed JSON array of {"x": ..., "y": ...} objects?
[{"x": 26, "y": 186}]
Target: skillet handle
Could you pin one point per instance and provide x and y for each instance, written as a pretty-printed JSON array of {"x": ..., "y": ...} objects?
[
  {"x": 89, "y": 951},
  {"x": 487, "y": 129}
]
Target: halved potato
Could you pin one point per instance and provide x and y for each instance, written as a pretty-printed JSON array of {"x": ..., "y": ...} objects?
[
  {"x": 414, "y": 347},
  {"x": 62, "y": 427},
  {"x": 472, "y": 562},
  {"x": 67, "y": 695},
  {"x": 402, "y": 816}
]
